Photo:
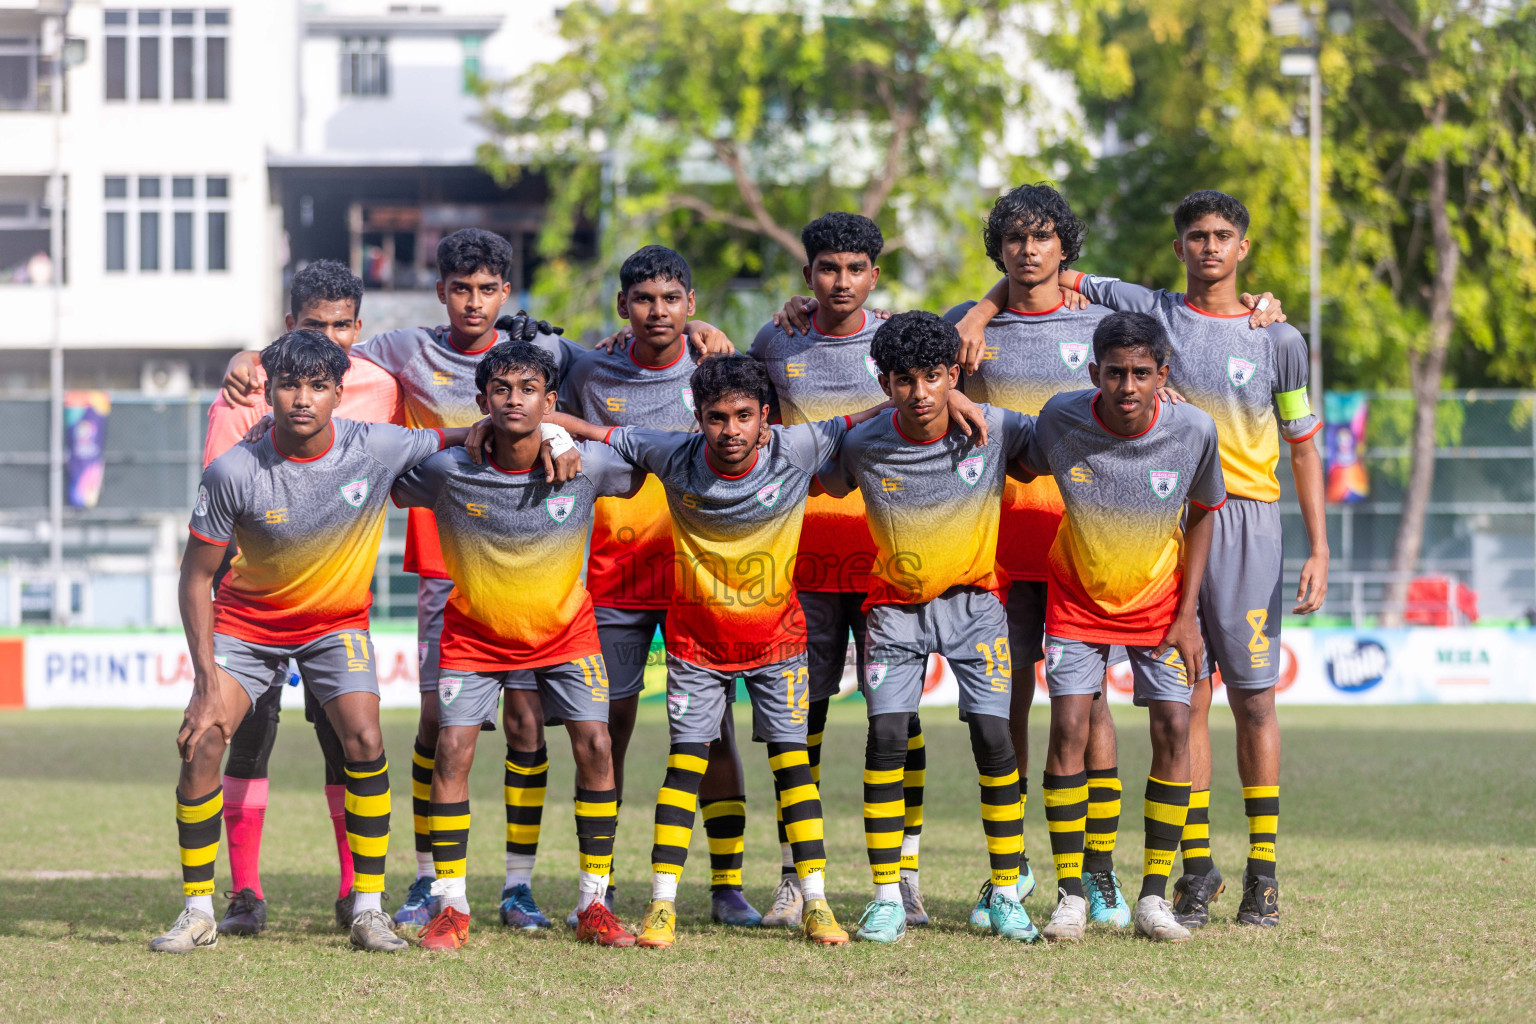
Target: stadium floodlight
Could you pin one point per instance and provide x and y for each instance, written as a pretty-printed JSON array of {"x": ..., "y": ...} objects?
[{"x": 1298, "y": 61}]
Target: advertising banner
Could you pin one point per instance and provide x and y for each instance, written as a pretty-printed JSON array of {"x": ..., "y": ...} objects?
[{"x": 85, "y": 435}]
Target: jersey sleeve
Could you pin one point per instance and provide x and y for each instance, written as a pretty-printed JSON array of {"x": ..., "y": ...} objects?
[
  {"x": 390, "y": 351},
  {"x": 1208, "y": 489},
  {"x": 648, "y": 449},
  {"x": 572, "y": 385},
  {"x": 228, "y": 424},
  {"x": 420, "y": 486},
  {"x": 567, "y": 352},
  {"x": 837, "y": 475},
  {"x": 957, "y": 313},
  {"x": 1298, "y": 421},
  {"x": 1117, "y": 294},
  {"x": 611, "y": 475},
  {"x": 401, "y": 448},
  {"x": 811, "y": 444},
  {"x": 221, "y": 497},
  {"x": 759, "y": 347},
  {"x": 1035, "y": 455},
  {"x": 1018, "y": 431}
]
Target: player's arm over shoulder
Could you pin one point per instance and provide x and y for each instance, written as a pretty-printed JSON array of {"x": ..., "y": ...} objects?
[
  {"x": 838, "y": 475},
  {"x": 1116, "y": 294},
  {"x": 612, "y": 475},
  {"x": 761, "y": 348},
  {"x": 393, "y": 350},
  {"x": 651, "y": 450},
  {"x": 957, "y": 313},
  {"x": 420, "y": 486},
  {"x": 400, "y": 448}
]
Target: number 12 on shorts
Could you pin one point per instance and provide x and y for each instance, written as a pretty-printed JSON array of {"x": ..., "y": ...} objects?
[
  {"x": 999, "y": 663},
  {"x": 797, "y": 680}
]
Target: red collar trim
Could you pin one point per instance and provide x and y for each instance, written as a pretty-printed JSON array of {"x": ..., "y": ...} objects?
[
  {"x": 1043, "y": 312},
  {"x": 896, "y": 422},
  {"x": 1093, "y": 407},
  {"x": 863, "y": 324},
  {"x": 272, "y": 436},
  {"x": 448, "y": 337},
  {"x": 630, "y": 351},
  {"x": 491, "y": 461},
  {"x": 1216, "y": 316},
  {"x": 756, "y": 456}
]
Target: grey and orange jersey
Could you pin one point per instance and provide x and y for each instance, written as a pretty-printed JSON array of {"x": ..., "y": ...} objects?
[
  {"x": 512, "y": 543},
  {"x": 307, "y": 530},
  {"x": 630, "y": 560},
  {"x": 817, "y": 376},
  {"x": 1029, "y": 359},
  {"x": 1116, "y": 564},
  {"x": 733, "y": 601},
  {"x": 933, "y": 506},
  {"x": 1245, "y": 378}
]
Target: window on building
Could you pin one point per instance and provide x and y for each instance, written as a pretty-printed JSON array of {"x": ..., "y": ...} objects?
[
  {"x": 471, "y": 62},
  {"x": 364, "y": 66},
  {"x": 139, "y": 213},
  {"x": 151, "y": 56},
  {"x": 117, "y": 240},
  {"x": 18, "y": 73}
]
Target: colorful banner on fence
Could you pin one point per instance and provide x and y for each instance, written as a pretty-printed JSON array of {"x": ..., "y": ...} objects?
[
  {"x": 85, "y": 436},
  {"x": 1317, "y": 666},
  {"x": 1344, "y": 418}
]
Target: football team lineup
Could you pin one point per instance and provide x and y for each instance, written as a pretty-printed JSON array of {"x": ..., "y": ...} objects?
[{"x": 1071, "y": 469}]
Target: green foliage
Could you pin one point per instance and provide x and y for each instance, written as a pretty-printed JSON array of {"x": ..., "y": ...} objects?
[{"x": 720, "y": 129}]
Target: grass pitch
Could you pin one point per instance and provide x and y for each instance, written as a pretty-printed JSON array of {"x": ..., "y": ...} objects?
[{"x": 1406, "y": 846}]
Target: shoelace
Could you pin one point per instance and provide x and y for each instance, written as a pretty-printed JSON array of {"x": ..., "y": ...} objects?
[
  {"x": 240, "y": 903},
  {"x": 660, "y": 919},
  {"x": 984, "y": 894},
  {"x": 522, "y": 901},
  {"x": 420, "y": 891},
  {"x": 784, "y": 896},
  {"x": 1105, "y": 883},
  {"x": 875, "y": 907},
  {"x": 442, "y": 924}
]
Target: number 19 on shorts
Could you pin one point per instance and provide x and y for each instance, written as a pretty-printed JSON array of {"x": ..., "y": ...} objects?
[{"x": 999, "y": 663}]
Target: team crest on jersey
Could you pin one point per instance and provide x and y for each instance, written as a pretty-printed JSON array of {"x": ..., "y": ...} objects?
[
  {"x": 1164, "y": 482},
  {"x": 970, "y": 469},
  {"x": 448, "y": 690},
  {"x": 202, "y": 502},
  {"x": 768, "y": 494},
  {"x": 688, "y": 398},
  {"x": 1239, "y": 371},
  {"x": 875, "y": 673},
  {"x": 677, "y": 706},
  {"x": 872, "y": 367},
  {"x": 1074, "y": 354},
  {"x": 355, "y": 493},
  {"x": 1053, "y": 654},
  {"x": 559, "y": 508}
]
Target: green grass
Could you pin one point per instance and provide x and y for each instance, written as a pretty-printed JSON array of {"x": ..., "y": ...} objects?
[{"x": 1406, "y": 871}]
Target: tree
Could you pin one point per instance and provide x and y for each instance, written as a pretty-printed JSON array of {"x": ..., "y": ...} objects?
[
  {"x": 721, "y": 128},
  {"x": 1429, "y": 167}
]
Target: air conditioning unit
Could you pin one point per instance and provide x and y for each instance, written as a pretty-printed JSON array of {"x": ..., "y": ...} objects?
[{"x": 166, "y": 377}]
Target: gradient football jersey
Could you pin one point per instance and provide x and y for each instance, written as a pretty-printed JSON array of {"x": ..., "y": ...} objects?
[
  {"x": 818, "y": 376},
  {"x": 1029, "y": 359},
  {"x": 1117, "y": 563},
  {"x": 1244, "y": 378},
  {"x": 512, "y": 542},
  {"x": 733, "y": 602},
  {"x": 307, "y": 530},
  {"x": 933, "y": 506},
  {"x": 437, "y": 384},
  {"x": 630, "y": 564}
]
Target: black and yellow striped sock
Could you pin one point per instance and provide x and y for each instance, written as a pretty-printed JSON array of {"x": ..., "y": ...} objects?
[
  {"x": 367, "y": 808},
  {"x": 1167, "y": 805},
  {"x": 597, "y": 822},
  {"x": 422, "y": 762},
  {"x": 815, "y": 729},
  {"x": 1196, "y": 842},
  {"x": 1103, "y": 820},
  {"x": 725, "y": 823},
  {"x": 1262, "y": 805},
  {"x": 676, "y": 803},
  {"x": 523, "y": 784},
  {"x": 800, "y": 802},
  {"x": 914, "y": 779},
  {"x": 1023, "y": 806},
  {"x": 198, "y": 825},
  {"x": 1002, "y": 819},
  {"x": 885, "y": 810},
  {"x": 1066, "y": 817},
  {"x": 450, "y": 843}
]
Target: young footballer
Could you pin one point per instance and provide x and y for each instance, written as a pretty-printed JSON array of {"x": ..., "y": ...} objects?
[
  {"x": 629, "y": 570},
  {"x": 327, "y": 297},
  {"x": 1123, "y": 572},
  {"x": 304, "y": 505},
  {"x": 1247, "y": 380},
  {"x": 512, "y": 543},
  {"x": 933, "y": 498},
  {"x": 824, "y": 371}
]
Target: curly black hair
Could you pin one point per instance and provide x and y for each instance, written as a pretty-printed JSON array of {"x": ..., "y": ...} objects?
[
  {"x": 471, "y": 250},
  {"x": 724, "y": 376},
  {"x": 325, "y": 281},
  {"x": 1130, "y": 331},
  {"x": 1032, "y": 206},
  {"x": 915, "y": 340},
  {"x": 842, "y": 232},
  {"x": 523, "y": 327},
  {"x": 305, "y": 355},
  {"x": 655, "y": 263},
  {"x": 1197, "y": 204},
  {"x": 507, "y": 356}
]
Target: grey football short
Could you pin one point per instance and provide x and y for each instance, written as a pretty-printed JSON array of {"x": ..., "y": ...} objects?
[
  {"x": 1076, "y": 667},
  {"x": 697, "y": 697},
  {"x": 1240, "y": 595},
  {"x": 431, "y": 598},
  {"x": 829, "y": 619},
  {"x": 331, "y": 665},
  {"x": 626, "y": 635},
  {"x": 573, "y": 691},
  {"x": 967, "y": 625}
]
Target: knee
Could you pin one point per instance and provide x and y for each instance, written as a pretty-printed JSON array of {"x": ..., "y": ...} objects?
[
  {"x": 365, "y": 744},
  {"x": 592, "y": 745},
  {"x": 454, "y": 754},
  {"x": 886, "y": 747},
  {"x": 1255, "y": 709},
  {"x": 991, "y": 744},
  {"x": 1170, "y": 731}
]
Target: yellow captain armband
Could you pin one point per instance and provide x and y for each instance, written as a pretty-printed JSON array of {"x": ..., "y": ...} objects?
[{"x": 1294, "y": 405}]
